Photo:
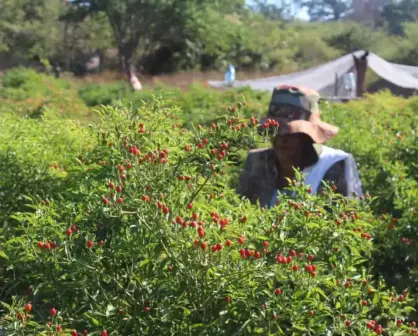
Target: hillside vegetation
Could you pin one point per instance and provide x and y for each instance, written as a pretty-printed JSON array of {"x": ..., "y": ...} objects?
[
  {"x": 127, "y": 222},
  {"x": 169, "y": 36}
]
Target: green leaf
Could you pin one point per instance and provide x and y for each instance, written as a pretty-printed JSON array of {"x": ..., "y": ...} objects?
[
  {"x": 6, "y": 305},
  {"x": 354, "y": 250},
  {"x": 197, "y": 325},
  {"x": 92, "y": 319},
  {"x": 409, "y": 309},
  {"x": 3, "y": 255},
  {"x": 299, "y": 327},
  {"x": 299, "y": 294},
  {"x": 320, "y": 291},
  {"x": 110, "y": 309},
  {"x": 144, "y": 262}
]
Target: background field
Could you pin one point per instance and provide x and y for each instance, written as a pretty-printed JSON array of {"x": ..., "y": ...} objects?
[
  {"x": 134, "y": 268},
  {"x": 118, "y": 211}
]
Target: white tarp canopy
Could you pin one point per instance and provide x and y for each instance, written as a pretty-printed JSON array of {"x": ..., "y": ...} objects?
[
  {"x": 413, "y": 70},
  {"x": 322, "y": 78}
]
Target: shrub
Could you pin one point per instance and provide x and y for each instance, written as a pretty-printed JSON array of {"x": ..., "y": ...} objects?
[
  {"x": 29, "y": 93},
  {"x": 150, "y": 240},
  {"x": 103, "y": 94},
  {"x": 381, "y": 132},
  {"x": 196, "y": 105},
  {"x": 34, "y": 156}
]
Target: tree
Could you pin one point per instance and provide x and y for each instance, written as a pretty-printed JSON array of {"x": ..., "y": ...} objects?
[
  {"x": 29, "y": 28},
  {"x": 140, "y": 26},
  {"x": 352, "y": 38},
  {"x": 273, "y": 11},
  {"x": 396, "y": 13},
  {"x": 408, "y": 49},
  {"x": 366, "y": 12},
  {"x": 84, "y": 38},
  {"x": 326, "y": 10}
]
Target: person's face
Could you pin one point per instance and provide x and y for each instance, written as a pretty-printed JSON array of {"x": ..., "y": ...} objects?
[{"x": 289, "y": 146}]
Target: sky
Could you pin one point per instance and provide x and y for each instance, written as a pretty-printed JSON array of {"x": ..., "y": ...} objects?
[{"x": 302, "y": 14}]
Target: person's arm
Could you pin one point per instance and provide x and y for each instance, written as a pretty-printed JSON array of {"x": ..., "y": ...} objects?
[{"x": 336, "y": 176}]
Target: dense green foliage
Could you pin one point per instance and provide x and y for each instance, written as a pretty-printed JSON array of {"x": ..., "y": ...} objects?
[
  {"x": 169, "y": 35},
  {"x": 29, "y": 93},
  {"x": 383, "y": 137},
  {"x": 134, "y": 261},
  {"x": 28, "y": 28}
]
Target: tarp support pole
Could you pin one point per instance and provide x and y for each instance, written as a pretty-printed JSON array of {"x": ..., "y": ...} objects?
[
  {"x": 336, "y": 85},
  {"x": 361, "y": 69}
]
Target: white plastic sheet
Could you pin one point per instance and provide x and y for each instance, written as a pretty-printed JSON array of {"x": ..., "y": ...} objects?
[{"x": 323, "y": 78}]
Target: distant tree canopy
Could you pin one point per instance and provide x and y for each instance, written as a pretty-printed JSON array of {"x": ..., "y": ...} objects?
[
  {"x": 281, "y": 11},
  {"x": 29, "y": 28},
  {"x": 140, "y": 24},
  {"x": 396, "y": 13},
  {"x": 159, "y": 36},
  {"x": 326, "y": 10},
  {"x": 140, "y": 28}
]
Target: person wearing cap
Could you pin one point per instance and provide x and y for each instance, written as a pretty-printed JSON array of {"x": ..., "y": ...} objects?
[{"x": 299, "y": 143}]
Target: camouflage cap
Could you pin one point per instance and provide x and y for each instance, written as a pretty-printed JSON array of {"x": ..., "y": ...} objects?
[
  {"x": 296, "y": 109},
  {"x": 302, "y": 97}
]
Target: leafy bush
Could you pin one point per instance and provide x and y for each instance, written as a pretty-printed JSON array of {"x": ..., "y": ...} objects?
[
  {"x": 103, "y": 94},
  {"x": 381, "y": 132},
  {"x": 198, "y": 104},
  {"x": 29, "y": 93},
  {"x": 34, "y": 157},
  {"x": 149, "y": 239},
  {"x": 407, "y": 53},
  {"x": 352, "y": 37}
]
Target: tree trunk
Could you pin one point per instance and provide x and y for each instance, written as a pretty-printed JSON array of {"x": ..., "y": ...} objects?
[
  {"x": 124, "y": 59},
  {"x": 126, "y": 66},
  {"x": 122, "y": 62},
  {"x": 102, "y": 58},
  {"x": 66, "y": 54},
  {"x": 133, "y": 79}
]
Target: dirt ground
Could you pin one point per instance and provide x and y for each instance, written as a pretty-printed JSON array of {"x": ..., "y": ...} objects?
[{"x": 181, "y": 80}]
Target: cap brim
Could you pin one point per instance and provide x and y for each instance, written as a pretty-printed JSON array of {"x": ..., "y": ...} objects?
[{"x": 319, "y": 131}]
